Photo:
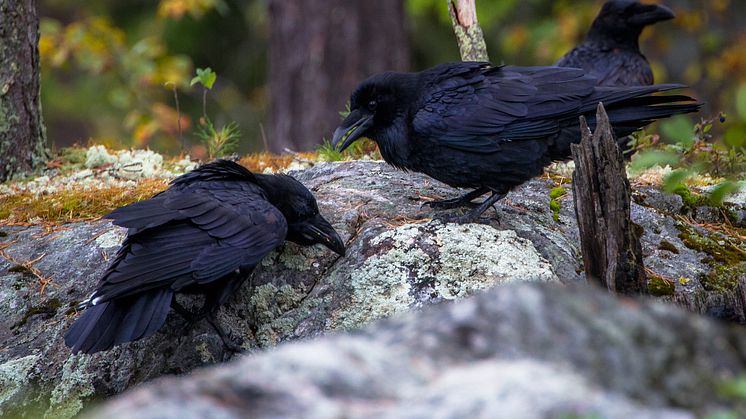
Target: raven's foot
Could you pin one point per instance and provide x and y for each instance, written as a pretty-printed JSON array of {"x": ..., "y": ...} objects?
[
  {"x": 475, "y": 215},
  {"x": 461, "y": 201},
  {"x": 229, "y": 343}
]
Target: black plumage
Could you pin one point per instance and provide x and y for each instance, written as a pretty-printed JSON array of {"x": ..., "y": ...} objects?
[
  {"x": 611, "y": 50},
  {"x": 472, "y": 125},
  {"x": 204, "y": 234}
]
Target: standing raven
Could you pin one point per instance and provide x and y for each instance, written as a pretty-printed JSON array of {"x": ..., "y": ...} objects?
[
  {"x": 472, "y": 125},
  {"x": 611, "y": 50},
  {"x": 203, "y": 235}
]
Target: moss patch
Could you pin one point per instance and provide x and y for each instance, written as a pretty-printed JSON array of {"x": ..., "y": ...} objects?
[
  {"x": 73, "y": 205},
  {"x": 689, "y": 198},
  {"x": 723, "y": 279},
  {"x": 659, "y": 286},
  {"x": 48, "y": 308},
  {"x": 723, "y": 249},
  {"x": 667, "y": 245},
  {"x": 554, "y": 204}
]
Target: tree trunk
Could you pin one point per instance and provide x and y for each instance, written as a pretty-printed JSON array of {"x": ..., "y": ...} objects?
[
  {"x": 319, "y": 51},
  {"x": 468, "y": 32},
  {"x": 22, "y": 136},
  {"x": 612, "y": 253}
]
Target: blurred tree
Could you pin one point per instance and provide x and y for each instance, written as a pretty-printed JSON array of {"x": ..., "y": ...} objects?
[
  {"x": 22, "y": 138},
  {"x": 318, "y": 51}
]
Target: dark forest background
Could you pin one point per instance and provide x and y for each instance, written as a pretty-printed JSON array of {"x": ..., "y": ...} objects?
[{"x": 286, "y": 67}]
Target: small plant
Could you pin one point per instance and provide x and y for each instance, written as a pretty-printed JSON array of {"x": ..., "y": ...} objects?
[
  {"x": 219, "y": 142},
  {"x": 327, "y": 152},
  {"x": 693, "y": 153},
  {"x": 206, "y": 77}
]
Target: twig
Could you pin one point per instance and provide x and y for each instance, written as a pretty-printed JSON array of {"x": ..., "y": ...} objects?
[{"x": 43, "y": 280}]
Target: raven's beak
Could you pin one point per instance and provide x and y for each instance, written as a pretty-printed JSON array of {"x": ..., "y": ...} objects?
[
  {"x": 352, "y": 128},
  {"x": 652, "y": 13},
  {"x": 318, "y": 230}
]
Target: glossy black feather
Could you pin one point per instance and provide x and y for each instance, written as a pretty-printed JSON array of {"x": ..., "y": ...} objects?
[
  {"x": 610, "y": 52},
  {"x": 472, "y": 125},
  {"x": 202, "y": 235}
]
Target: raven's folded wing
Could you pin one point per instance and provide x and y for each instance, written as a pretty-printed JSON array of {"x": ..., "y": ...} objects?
[
  {"x": 475, "y": 110},
  {"x": 192, "y": 236}
]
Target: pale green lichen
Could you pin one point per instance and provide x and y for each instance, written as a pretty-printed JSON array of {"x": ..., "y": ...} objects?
[
  {"x": 98, "y": 156},
  {"x": 270, "y": 303},
  {"x": 14, "y": 380},
  {"x": 483, "y": 256},
  {"x": 111, "y": 238},
  {"x": 75, "y": 385},
  {"x": 418, "y": 262}
]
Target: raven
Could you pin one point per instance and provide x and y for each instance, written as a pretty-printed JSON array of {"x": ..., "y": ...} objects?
[
  {"x": 611, "y": 51},
  {"x": 202, "y": 235},
  {"x": 472, "y": 125}
]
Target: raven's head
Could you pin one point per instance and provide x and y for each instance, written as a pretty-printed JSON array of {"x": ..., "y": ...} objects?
[
  {"x": 625, "y": 19},
  {"x": 306, "y": 226},
  {"x": 377, "y": 110}
]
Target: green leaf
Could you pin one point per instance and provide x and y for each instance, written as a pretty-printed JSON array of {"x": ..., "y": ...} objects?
[
  {"x": 741, "y": 101},
  {"x": 675, "y": 179},
  {"x": 678, "y": 130},
  {"x": 648, "y": 159},
  {"x": 721, "y": 191},
  {"x": 206, "y": 77}
]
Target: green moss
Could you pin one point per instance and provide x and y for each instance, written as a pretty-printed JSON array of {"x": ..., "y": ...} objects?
[
  {"x": 723, "y": 250},
  {"x": 554, "y": 204},
  {"x": 667, "y": 245},
  {"x": 557, "y": 192},
  {"x": 48, "y": 308},
  {"x": 20, "y": 269},
  {"x": 690, "y": 198},
  {"x": 659, "y": 286},
  {"x": 724, "y": 279}
]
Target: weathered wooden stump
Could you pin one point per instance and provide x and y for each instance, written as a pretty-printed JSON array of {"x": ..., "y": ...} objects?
[{"x": 609, "y": 239}]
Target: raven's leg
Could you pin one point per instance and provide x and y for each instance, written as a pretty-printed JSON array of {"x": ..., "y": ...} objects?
[
  {"x": 207, "y": 313},
  {"x": 186, "y": 314},
  {"x": 475, "y": 214},
  {"x": 464, "y": 200},
  {"x": 228, "y": 342}
]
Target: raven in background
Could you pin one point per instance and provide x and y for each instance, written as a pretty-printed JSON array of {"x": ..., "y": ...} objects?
[
  {"x": 472, "y": 125},
  {"x": 611, "y": 50},
  {"x": 203, "y": 235}
]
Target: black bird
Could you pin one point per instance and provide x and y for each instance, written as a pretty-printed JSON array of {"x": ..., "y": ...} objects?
[
  {"x": 472, "y": 125},
  {"x": 611, "y": 50},
  {"x": 203, "y": 235}
]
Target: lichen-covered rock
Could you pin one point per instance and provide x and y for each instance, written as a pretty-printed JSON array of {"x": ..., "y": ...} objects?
[
  {"x": 518, "y": 351},
  {"x": 398, "y": 258}
]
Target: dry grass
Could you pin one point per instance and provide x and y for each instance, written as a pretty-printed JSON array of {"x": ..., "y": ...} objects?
[{"x": 71, "y": 205}]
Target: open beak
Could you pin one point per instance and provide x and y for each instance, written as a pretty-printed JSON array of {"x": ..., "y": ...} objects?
[
  {"x": 652, "y": 13},
  {"x": 318, "y": 230},
  {"x": 352, "y": 128}
]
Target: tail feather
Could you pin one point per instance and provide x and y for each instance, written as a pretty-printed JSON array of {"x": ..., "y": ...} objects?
[{"x": 117, "y": 321}]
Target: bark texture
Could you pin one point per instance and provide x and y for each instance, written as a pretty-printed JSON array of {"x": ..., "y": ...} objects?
[
  {"x": 319, "y": 51},
  {"x": 468, "y": 32},
  {"x": 22, "y": 137},
  {"x": 611, "y": 247}
]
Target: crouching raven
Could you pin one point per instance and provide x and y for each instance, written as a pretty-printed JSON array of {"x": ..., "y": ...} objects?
[
  {"x": 203, "y": 235},
  {"x": 472, "y": 125}
]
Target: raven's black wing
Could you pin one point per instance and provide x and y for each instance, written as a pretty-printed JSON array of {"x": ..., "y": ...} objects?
[
  {"x": 610, "y": 67},
  {"x": 476, "y": 108},
  {"x": 472, "y": 106},
  {"x": 191, "y": 235}
]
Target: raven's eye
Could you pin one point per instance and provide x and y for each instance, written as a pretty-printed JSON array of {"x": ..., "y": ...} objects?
[{"x": 372, "y": 105}]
